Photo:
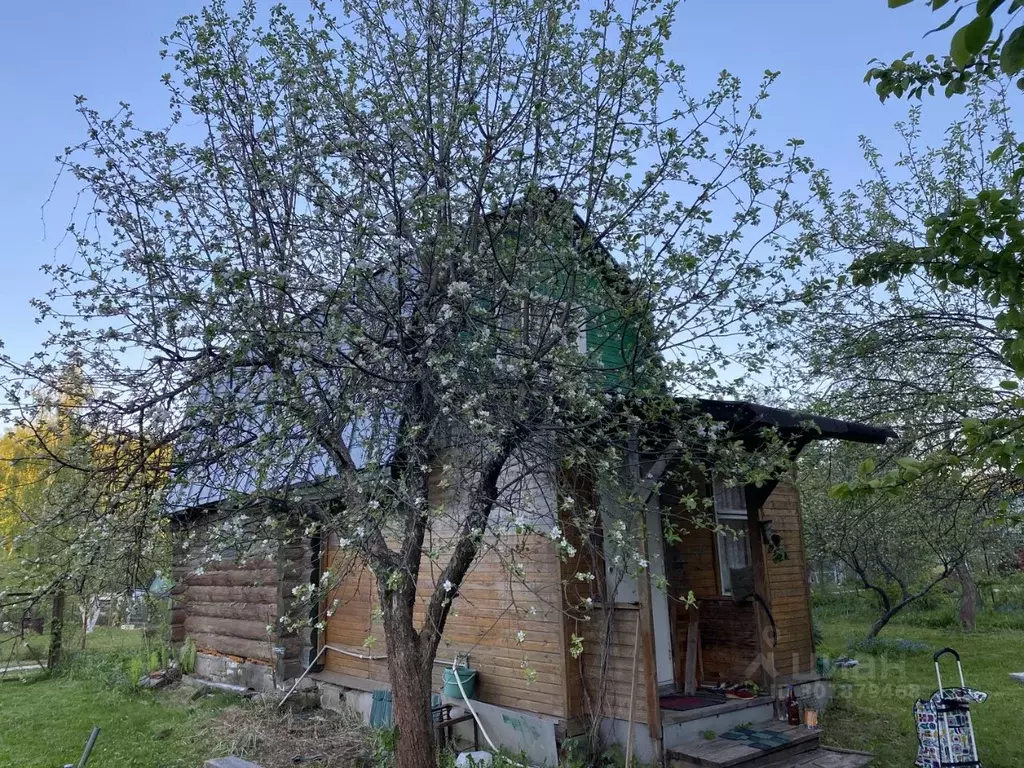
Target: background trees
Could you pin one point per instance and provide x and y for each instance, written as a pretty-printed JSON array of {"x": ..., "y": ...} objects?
[
  {"x": 917, "y": 351},
  {"x": 899, "y": 546},
  {"x": 78, "y": 517},
  {"x": 971, "y": 240}
]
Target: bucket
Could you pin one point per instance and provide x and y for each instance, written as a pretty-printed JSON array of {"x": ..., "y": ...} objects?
[{"x": 451, "y": 687}]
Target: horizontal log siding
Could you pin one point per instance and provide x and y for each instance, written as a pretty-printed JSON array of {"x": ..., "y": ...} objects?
[
  {"x": 227, "y": 609},
  {"x": 491, "y": 608},
  {"x": 233, "y": 608},
  {"x": 728, "y": 631},
  {"x": 787, "y": 582},
  {"x": 600, "y": 679},
  {"x": 607, "y": 664}
]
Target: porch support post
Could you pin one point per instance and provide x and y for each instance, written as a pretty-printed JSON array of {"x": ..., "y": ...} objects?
[
  {"x": 646, "y": 619},
  {"x": 766, "y": 649},
  {"x": 646, "y": 616}
]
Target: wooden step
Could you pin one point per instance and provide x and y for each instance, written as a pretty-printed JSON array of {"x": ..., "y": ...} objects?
[{"x": 720, "y": 752}]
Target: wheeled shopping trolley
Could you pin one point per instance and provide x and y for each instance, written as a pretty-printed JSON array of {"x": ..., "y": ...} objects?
[{"x": 945, "y": 732}]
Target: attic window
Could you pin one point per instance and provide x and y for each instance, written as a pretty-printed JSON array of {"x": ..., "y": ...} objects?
[
  {"x": 539, "y": 319},
  {"x": 733, "y": 543}
]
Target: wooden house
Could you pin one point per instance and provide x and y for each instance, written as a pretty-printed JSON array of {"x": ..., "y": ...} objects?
[
  {"x": 616, "y": 662},
  {"x": 554, "y": 653}
]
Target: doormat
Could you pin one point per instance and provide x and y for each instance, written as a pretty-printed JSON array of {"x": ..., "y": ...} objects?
[
  {"x": 682, "y": 703},
  {"x": 757, "y": 738}
]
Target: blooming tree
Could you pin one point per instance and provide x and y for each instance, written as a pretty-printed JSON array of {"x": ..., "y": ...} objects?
[
  {"x": 76, "y": 512},
  {"x": 386, "y": 249}
]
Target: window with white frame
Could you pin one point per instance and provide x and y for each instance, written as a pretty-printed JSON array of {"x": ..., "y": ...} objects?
[
  {"x": 733, "y": 542},
  {"x": 542, "y": 318}
]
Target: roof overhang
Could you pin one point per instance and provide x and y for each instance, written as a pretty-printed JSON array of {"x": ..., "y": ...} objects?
[
  {"x": 747, "y": 418},
  {"x": 750, "y": 421}
]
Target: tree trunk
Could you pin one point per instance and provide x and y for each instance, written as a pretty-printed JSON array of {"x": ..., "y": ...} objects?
[
  {"x": 968, "y": 597},
  {"x": 56, "y": 629},
  {"x": 882, "y": 620},
  {"x": 887, "y": 615},
  {"x": 410, "y": 692},
  {"x": 410, "y": 688}
]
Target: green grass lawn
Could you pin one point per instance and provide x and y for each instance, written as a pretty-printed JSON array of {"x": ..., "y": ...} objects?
[
  {"x": 874, "y": 713},
  {"x": 45, "y": 723},
  {"x": 33, "y": 646}
]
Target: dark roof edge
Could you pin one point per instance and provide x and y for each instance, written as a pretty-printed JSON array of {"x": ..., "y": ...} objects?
[{"x": 746, "y": 415}]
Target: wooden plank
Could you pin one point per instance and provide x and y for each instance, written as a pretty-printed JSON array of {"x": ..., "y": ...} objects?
[
  {"x": 257, "y": 612},
  {"x": 765, "y": 643},
  {"x": 649, "y": 675},
  {"x": 570, "y": 676},
  {"x": 248, "y": 595},
  {"x": 237, "y": 577},
  {"x": 727, "y": 753},
  {"x": 692, "y": 648},
  {"x": 234, "y": 646}
]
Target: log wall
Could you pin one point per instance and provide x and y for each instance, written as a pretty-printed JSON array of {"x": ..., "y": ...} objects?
[
  {"x": 231, "y": 607},
  {"x": 729, "y": 640},
  {"x": 728, "y": 630}
]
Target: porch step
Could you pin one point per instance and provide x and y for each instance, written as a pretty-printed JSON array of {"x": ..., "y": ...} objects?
[
  {"x": 682, "y": 727},
  {"x": 729, "y": 753}
]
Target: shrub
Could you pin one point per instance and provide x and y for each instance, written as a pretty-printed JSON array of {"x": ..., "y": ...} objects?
[
  {"x": 187, "y": 656},
  {"x": 135, "y": 670}
]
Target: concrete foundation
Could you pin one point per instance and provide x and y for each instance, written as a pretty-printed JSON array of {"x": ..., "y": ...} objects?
[
  {"x": 645, "y": 749},
  {"x": 533, "y": 736},
  {"x": 525, "y": 733},
  {"x": 247, "y": 674},
  {"x": 338, "y": 697}
]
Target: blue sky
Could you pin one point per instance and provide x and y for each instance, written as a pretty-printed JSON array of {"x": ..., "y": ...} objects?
[{"x": 107, "y": 50}]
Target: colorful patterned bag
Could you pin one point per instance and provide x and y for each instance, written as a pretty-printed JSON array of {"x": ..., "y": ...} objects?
[{"x": 944, "y": 732}]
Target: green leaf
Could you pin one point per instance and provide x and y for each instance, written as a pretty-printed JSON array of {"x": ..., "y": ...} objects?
[
  {"x": 995, "y": 154},
  {"x": 958, "y": 50},
  {"x": 841, "y": 491},
  {"x": 1011, "y": 57},
  {"x": 867, "y": 466},
  {"x": 988, "y": 7},
  {"x": 909, "y": 463},
  {"x": 1009, "y": 384},
  {"x": 898, "y": 3},
  {"x": 977, "y": 33}
]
